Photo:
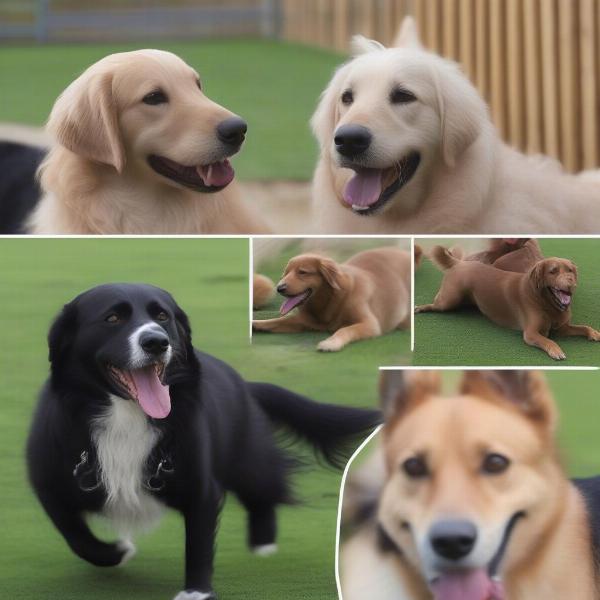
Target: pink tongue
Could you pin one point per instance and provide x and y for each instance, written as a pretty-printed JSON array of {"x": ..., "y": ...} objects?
[
  {"x": 218, "y": 174},
  {"x": 290, "y": 303},
  {"x": 564, "y": 298},
  {"x": 364, "y": 188},
  {"x": 467, "y": 585},
  {"x": 152, "y": 395}
]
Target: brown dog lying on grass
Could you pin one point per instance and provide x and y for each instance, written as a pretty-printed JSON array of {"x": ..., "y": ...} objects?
[
  {"x": 508, "y": 254},
  {"x": 536, "y": 302},
  {"x": 365, "y": 297}
]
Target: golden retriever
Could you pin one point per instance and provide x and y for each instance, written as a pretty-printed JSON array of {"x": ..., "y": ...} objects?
[
  {"x": 366, "y": 296},
  {"x": 473, "y": 502},
  {"x": 536, "y": 302},
  {"x": 140, "y": 149},
  {"x": 407, "y": 146}
]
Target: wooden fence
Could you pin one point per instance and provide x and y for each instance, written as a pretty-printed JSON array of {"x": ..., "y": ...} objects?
[{"x": 537, "y": 62}]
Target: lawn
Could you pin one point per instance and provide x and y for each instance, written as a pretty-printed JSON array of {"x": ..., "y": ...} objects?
[
  {"x": 208, "y": 277},
  {"x": 300, "y": 348},
  {"x": 273, "y": 85},
  {"x": 465, "y": 337}
]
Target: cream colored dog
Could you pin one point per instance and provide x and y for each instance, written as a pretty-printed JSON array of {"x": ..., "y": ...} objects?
[
  {"x": 140, "y": 149},
  {"x": 407, "y": 146}
]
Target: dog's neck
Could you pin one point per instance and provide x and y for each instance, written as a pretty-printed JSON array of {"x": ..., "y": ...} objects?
[{"x": 325, "y": 303}]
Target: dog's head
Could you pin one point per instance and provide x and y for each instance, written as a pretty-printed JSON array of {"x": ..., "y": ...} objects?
[
  {"x": 304, "y": 276},
  {"x": 126, "y": 340},
  {"x": 387, "y": 116},
  {"x": 555, "y": 280},
  {"x": 146, "y": 111},
  {"x": 473, "y": 481}
]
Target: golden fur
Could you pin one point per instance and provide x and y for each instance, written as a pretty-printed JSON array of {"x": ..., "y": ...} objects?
[
  {"x": 510, "y": 414},
  {"x": 524, "y": 301},
  {"x": 263, "y": 290},
  {"x": 366, "y": 296},
  {"x": 96, "y": 178}
]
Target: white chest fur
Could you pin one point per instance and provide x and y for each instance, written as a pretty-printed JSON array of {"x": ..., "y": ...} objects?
[{"x": 124, "y": 438}]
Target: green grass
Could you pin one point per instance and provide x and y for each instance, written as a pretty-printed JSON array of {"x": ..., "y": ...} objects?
[
  {"x": 273, "y": 85},
  {"x": 209, "y": 280},
  {"x": 300, "y": 348},
  {"x": 465, "y": 337}
]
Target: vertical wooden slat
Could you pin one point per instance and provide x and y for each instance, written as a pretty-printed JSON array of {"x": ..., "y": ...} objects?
[
  {"x": 467, "y": 37},
  {"x": 569, "y": 81},
  {"x": 550, "y": 78},
  {"x": 589, "y": 107},
  {"x": 385, "y": 21},
  {"x": 420, "y": 12},
  {"x": 515, "y": 83},
  {"x": 481, "y": 46},
  {"x": 341, "y": 30},
  {"x": 434, "y": 40},
  {"x": 497, "y": 55},
  {"x": 534, "y": 142},
  {"x": 449, "y": 17}
]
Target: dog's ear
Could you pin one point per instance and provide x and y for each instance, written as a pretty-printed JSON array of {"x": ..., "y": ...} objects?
[
  {"x": 461, "y": 110},
  {"x": 527, "y": 391},
  {"x": 362, "y": 45},
  {"x": 331, "y": 273},
  {"x": 184, "y": 328},
  {"x": 537, "y": 275},
  {"x": 62, "y": 335},
  {"x": 408, "y": 34},
  {"x": 84, "y": 119},
  {"x": 401, "y": 389},
  {"x": 574, "y": 267}
]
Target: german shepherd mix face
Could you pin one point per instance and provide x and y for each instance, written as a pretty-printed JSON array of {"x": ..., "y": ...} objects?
[{"x": 473, "y": 481}]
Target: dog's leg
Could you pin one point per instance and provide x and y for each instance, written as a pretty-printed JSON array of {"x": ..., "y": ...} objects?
[
  {"x": 288, "y": 324},
  {"x": 448, "y": 297},
  {"x": 532, "y": 337},
  {"x": 583, "y": 330},
  {"x": 200, "y": 528},
  {"x": 81, "y": 540},
  {"x": 344, "y": 336}
]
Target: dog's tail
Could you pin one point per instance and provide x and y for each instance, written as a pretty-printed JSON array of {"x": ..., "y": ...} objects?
[
  {"x": 335, "y": 431},
  {"x": 263, "y": 291},
  {"x": 443, "y": 258}
]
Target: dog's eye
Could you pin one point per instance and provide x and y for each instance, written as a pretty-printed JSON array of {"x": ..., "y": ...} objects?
[
  {"x": 415, "y": 467},
  {"x": 162, "y": 316},
  {"x": 347, "y": 97},
  {"x": 113, "y": 318},
  {"x": 155, "y": 97},
  {"x": 302, "y": 272},
  {"x": 400, "y": 96},
  {"x": 553, "y": 271},
  {"x": 494, "y": 464}
]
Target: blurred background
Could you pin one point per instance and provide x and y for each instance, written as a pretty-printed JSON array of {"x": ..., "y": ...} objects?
[{"x": 537, "y": 62}]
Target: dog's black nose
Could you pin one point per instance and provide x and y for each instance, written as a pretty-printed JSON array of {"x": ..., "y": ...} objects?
[
  {"x": 232, "y": 131},
  {"x": 282, "y": 287},
  {"x": 154, "y": 342},
  {"x": 453, "y": 539},
  {"x": 352, "y": 140}
]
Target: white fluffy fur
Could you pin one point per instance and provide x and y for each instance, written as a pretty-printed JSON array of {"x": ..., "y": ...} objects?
[
  {"x": 96, "y": 179},
  {"x": 124, "y": 438},
  {"x": 469, "y": 181}
]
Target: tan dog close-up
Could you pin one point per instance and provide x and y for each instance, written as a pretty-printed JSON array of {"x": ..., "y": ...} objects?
[
  {"x": 364, "y": 297},
  {"x": 140, "y": 149},
  {"x": 473, "y": 501},
  {"x": 537, "y": 302},
  {"x": 408, "y": 146}
]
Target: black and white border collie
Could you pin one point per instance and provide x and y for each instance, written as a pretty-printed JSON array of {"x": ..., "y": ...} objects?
[{"x": 133, "y": 419}]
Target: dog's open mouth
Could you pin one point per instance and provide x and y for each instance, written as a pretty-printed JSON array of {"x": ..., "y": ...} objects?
[
  {"x": 201, "y": 178},
  {"x": 292, "y": 302},
  {"x": 370, "y": 189},
  {"x": 562, "y": 298},
  {"x": 145, "y": 386},
  {"x": 476, "y": 584}
]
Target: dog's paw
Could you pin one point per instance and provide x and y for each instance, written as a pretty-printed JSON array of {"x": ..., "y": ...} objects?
[
  {"x": 594, "y": 336},
  {"x": 555, "y": 352},
  {"x": 195, "y": 595},
  {"x": 264, "y": 550},
  {"x": 330, "y": 345},
  {"x": 129, "y": 550}
]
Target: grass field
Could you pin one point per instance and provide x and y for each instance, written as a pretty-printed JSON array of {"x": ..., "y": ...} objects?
[
  {"x": 274, "y": 86},
  {"x": 300, "y": 348},
  {"x": 465, "y": 337},
  {"x": 38, "y": 277}
]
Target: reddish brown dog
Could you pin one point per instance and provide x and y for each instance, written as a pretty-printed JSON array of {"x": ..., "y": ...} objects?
[
  {"x": 536, "y": 302},
  {"x": 366, "y": 296}
]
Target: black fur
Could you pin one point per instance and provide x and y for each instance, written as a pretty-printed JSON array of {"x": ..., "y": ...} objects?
[
  {"x": 590, "y": 490},
  {"x": 19, "y": 189},
  {"x": 218, "y": 436}
]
